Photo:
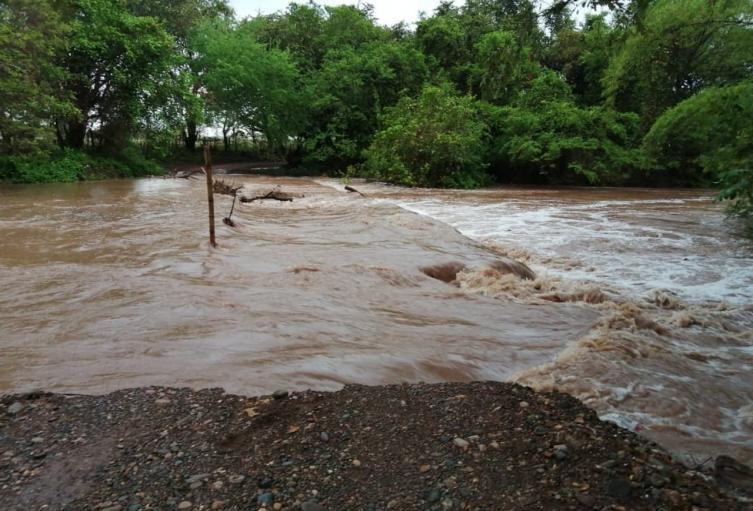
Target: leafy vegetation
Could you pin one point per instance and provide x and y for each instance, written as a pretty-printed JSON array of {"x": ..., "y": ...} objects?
[
  {"x": 711, "y": 131},
  {"x": 434, "y": 140},
  {"x": 656, "y": 92}
]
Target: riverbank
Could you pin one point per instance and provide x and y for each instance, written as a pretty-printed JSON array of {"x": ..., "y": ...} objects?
[{"x": 480, "y": 445}]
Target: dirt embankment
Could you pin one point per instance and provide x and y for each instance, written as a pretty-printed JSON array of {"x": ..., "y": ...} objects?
[{"x": 474, "y": 446}]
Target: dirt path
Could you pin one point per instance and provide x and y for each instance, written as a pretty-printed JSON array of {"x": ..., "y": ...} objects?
[
  {"x": 436, "y": 447},
  {"x": 227, "y": 168}
]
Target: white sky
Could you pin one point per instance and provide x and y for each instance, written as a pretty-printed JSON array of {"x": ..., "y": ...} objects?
[{"x": 388, "y": 12}]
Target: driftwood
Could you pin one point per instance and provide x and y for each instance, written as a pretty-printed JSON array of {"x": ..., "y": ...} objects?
[
  {"x": 185, "y": 174},
  {"x": 275, "y": 194},
  {"x": 228, "y": 220},
  {"x": 353, "y": 190},
  {"x": 226, "y": 187}
]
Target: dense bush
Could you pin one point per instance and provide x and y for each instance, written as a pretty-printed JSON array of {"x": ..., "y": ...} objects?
[
  {"x": 709, "y": 138},
  {"x": 71, "y": 165},
  {"x": 545, "y": 136},
  {"x": 535, "y": 95},
  {"x": 436, "y": 139}
]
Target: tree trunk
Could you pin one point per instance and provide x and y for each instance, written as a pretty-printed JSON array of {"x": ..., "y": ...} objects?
[
  {"x": 75, "y": 134},
  {"x": 190, "y": 135},
  {"x": 225, "y": 141}
]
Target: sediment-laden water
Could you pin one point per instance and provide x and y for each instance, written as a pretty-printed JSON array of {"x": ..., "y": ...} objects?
[{"x": 641, "y": 305}]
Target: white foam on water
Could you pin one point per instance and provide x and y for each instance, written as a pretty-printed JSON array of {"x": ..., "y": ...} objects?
[{"x": 683, "y": 245}]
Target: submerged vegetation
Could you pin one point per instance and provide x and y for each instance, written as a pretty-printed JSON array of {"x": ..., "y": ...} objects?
[{"x": 647, "y": 92}]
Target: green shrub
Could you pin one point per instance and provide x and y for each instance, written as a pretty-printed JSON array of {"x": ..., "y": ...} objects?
[
  {"x": 70, "y": 165},
  {"x": 65, "y": 167},
  {"x": 544, "y": 135},
  {"x": 436, "y": 139},
  {"x": 708, "y": 138}
]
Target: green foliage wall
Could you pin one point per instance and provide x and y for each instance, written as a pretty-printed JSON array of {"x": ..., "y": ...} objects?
[
  {"x": 652, "y": 93},
  {"x": 711, "y": 131},
  {"x": 436, "y": 139}
]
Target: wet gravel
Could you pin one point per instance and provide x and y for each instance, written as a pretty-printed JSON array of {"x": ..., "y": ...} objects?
[{"x": 443, "y": 447}]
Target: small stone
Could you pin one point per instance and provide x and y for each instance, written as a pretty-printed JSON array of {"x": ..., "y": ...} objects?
[
  {"x": 162, "y": 401},
  {"x": 311, "y": 505},
  {"x": 236, "y": 479},
  {"x": 196, "y": 478},
  {"x": 37, "y": 440},
  {"x": 657, "y": 480},
  {"x": 265, "y": 482},
  {"x": 675, "y": 498},
  {"x": 324, "y": 436},
  {"x": 280, "y": 394},
  {"x": 460, "y": 442},
  {"x": 523, "y": 404},
  {"x": 447, "y": 504},
  {"x": 393, "y": 504},
  {"x": 494, "y": 444},
  {"x": 585, "y": 500},
  {"x": 15, "y": 408},
  {"x": 356, "y": 463},
  {"x": 116, "y": 507},
  {"x": 451, "y": 483},
  {"x": 433, "y": 496},
  {"x": 265, "y": 498},
  {"x": 277, "y": 506},
  {"x": 218, "y": 504},
  {"x": 424, "y": 468},
  {"x": 619, "y": 488},
  {"x": 560, "y": 452},
  {"x": 185, "y": 505}
]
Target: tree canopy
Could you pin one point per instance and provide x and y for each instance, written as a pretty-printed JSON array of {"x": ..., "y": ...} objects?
[{"x": 651, "y": 92}]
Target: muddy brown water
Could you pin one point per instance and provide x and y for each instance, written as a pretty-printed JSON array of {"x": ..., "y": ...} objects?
[{"x": 641, "y": 306}]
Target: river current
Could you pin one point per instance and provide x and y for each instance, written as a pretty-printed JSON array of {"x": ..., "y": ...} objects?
[{"x": 641, "y": 305}]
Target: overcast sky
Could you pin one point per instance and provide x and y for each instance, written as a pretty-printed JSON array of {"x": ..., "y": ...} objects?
[{"x": 388, "y": 12}]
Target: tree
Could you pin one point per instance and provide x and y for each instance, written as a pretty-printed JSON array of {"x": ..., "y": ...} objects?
[
  {"x": 436, "y": 139},
  {"x": 681, "y": 47},
  {"x": 248, "y": 83},
  {"x": 709, "y": 138},
  {"x": 113, "y": 58},
  {"x": 349, "y": 92},
  {"x": 545, "y": 136},
  {"x": 31, "y": 35},
  {"x": 504, "y": 67},
  {"x": 176, "y": 103},
  {"x": 299, "y": 31}
]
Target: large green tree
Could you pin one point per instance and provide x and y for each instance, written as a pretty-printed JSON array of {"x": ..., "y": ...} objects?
[
  {"x": 32, "y": 34},
  {"x": 112, "y": 60},
  {"x": 177, "y": 102},
  {"x": 544, "y": 136},
  {"x": 681, "y": 47},
  {"x": 708, "y": 138},
  {"x": 245, "y": 82},
  {"x": 436, "y": 139},
  {"x": 349, "y": 92}
]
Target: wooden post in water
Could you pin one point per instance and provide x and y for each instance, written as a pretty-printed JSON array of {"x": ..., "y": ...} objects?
[{"x": 210, "y": 192}]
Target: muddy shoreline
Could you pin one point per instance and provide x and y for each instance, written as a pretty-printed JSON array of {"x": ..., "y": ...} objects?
[{"x": 447, "y": 446}]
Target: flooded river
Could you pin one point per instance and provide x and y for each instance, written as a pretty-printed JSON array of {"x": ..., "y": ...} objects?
[{"x": 641, "y": 305}]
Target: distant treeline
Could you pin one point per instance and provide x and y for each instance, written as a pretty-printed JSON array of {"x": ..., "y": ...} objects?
[{"x": 650, "y": 92}]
